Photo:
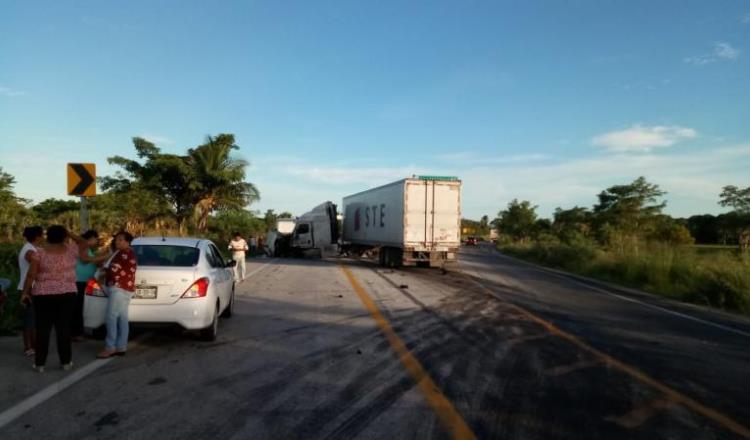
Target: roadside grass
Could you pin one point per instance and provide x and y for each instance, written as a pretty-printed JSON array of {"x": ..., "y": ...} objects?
[
  {"x": 712, "y": 249},
  {"x": 719, "y": 279}
]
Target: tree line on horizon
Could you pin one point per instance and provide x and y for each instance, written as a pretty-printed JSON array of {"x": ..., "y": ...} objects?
[{"x": 625, "y": 216}]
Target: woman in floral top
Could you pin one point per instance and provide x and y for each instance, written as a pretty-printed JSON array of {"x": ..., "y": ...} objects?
[{"x": 120, "y": 284}]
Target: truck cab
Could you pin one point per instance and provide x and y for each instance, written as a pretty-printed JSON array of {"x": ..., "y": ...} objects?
[{"x": 317, "y": 230}]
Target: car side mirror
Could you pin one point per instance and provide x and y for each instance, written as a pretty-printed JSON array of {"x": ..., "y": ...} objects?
[{"x": 231, "y": 263}]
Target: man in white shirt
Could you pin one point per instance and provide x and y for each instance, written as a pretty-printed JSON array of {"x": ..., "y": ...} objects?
[{"x": 238, "y": 246}]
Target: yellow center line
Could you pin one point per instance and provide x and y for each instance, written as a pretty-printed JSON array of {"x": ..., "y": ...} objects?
[
  {"x": 446, "y": 412},
  {"x": 706, "y": 411}
]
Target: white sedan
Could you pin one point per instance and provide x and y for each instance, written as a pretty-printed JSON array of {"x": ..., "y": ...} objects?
[{"x": 182, "y": 281}]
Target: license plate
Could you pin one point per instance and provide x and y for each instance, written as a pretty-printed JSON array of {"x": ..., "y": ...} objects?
[{"x": 145, "y": 292}]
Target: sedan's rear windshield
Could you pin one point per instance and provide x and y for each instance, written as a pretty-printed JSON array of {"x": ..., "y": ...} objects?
[{"x": 166, "y": 255}]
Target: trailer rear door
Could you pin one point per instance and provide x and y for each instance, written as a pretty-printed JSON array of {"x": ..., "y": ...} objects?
[{"x": 432, "y": 218}]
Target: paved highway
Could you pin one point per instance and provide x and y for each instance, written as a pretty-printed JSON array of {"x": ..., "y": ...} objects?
[{"x": 341, "y": 349}]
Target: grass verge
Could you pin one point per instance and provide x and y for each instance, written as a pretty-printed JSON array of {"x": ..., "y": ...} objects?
[{"x": 720, "y": 280}]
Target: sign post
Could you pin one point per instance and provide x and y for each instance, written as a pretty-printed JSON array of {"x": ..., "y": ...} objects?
[
  {"x": 82, "y": 183},
  {"x": 84, "y": 215}
]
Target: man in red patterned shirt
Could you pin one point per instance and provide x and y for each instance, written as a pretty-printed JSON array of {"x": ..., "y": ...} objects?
[{"x": 121, "y": 286}]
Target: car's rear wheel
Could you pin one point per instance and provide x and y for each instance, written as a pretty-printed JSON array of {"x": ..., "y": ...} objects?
[
  {"x": 209, "y": 333},
  {"x": 229, "y": 311}
]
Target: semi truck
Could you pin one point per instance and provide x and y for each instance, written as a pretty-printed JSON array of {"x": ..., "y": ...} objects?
[
  {"x": 278, "y": 239},
  {"x": 413, "y": 221}
]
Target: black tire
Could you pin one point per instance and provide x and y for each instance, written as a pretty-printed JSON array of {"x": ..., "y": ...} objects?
[
  {"x": 393, "y": 257},
  {"x": 209, "y": 333},
  {"x": 229, "y": 311},
  {"x": 397, "y": 258}
]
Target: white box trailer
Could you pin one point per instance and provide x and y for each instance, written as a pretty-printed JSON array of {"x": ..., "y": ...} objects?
[{"x": 411, "y": 221}]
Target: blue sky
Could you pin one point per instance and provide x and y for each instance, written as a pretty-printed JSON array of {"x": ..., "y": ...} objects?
[{"x": 547, "y": 101}]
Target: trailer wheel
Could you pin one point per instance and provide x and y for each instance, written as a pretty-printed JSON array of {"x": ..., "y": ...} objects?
[{"x": 392, "y": 257}]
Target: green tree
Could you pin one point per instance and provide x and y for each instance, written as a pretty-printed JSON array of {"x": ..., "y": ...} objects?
[
  {"x": 48, "y": 209},
  {"x": 517, "y": 220},
  {"x": 194, "y": 185},
  {"x": 220, "y": 177},
  {"x": 135, "y": 209},
  {"x": 13, "y": 212},
  {"x": 625, "y": 212},
  {"x": 285, "y": 214},
  {"x": 270, "y": 218},
  {"x": 484, "y": 225},
  {"x": 705, "y": 228},
  {"x": 167, "y": 177},
  {"x": 225, "y": 222},
  {"x": 668, "y": 230},
  {"x": 572, "y": 224},
  {"x": 738, "y": 199}
]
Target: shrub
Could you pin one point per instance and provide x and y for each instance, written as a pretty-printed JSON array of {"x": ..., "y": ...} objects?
[{"x": 9, "y": 269}]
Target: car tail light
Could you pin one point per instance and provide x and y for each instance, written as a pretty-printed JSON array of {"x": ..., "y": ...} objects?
[
  {"x": 199, "y": 289},
  {"x": 94, "y": 289}
]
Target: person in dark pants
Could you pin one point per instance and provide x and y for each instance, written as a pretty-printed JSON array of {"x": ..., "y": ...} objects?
[
  {"x": 88, "y": 260},
  {"x": 51, "y": 282}
]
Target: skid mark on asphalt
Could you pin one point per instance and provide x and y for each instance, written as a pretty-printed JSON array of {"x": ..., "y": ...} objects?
[
  {"x": 641, "y": 414},
  {"x": 539, "y": 364},
  {"x": 448, "y": 415},
  {"x": 562, "y": 370},
  {"x": 670, "y": 394}
]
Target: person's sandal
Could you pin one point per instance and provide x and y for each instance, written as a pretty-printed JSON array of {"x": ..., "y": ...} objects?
[{"x": 38, "y": 368}]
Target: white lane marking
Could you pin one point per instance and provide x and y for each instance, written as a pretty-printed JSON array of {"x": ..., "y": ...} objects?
[
  {"x": 258, "y": 269},
  {"x": 45, "y": 394},
  {"x": 40, "y": 397},
  {"x": 633, "y": 300}
]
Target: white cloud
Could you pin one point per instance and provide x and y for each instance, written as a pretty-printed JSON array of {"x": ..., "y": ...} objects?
[
  {"x": 721, "y": 51},
  {"x": 158, "y": 140},
  {"x": 7, "y": 91},
  {"x": 726, "y": 51},
  {"x": 639, "y": 138}
]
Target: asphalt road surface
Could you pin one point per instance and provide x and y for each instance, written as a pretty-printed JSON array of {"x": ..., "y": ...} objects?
[{"x": 341, "y": 349}]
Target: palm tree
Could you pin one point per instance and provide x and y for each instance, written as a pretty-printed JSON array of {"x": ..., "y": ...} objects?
[{"x": 220, "y": 178}]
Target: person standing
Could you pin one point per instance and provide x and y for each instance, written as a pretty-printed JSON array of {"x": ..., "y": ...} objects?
[
  {"x": 51, "y": 286},
  {"x": 34, "y": 236},
  {"x": 88, "y": 261},
  {"x": 120, "y": 282},
  {"x": 238, "y": 246}
]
